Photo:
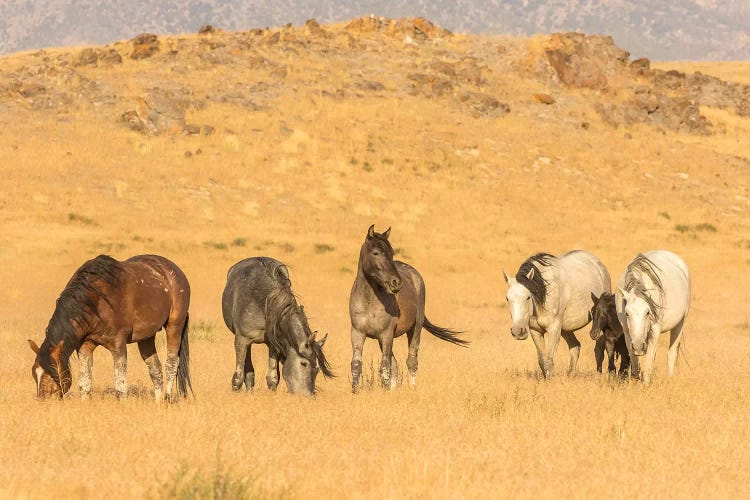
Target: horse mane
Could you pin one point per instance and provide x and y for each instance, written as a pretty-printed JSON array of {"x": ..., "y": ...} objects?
[
  {"x": 281, "y": 303},
  {"x": 77, "y": 305},
  {"x": 537, "y": 285},
  {"x": 634, "y": 273}
]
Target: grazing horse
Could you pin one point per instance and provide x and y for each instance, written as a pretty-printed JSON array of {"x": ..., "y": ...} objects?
[
  {"x": 112, "y": 304},
  {"x": 653, "y": 296},
  {"x": 386, "y": 301},
  {"x": 549, "y": 297},
  {"x": 606, "y": 330},
  {"x": 259, "y": 307}
]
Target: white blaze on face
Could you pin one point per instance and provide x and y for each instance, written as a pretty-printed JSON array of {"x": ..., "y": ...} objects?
[
  {"x": 38, "y": 372},
  {"x": 519, "y": 301}
]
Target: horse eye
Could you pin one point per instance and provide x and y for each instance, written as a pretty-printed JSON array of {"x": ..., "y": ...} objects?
[
  {"x": 528, "y": 298},
  {"x": 376, "y": 253},
  {"x": 304, "y": 363}
]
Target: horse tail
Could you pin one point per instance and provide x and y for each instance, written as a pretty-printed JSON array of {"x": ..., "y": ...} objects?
[
  {"x": 183, "y": 368},
  {"x": 445, "y": 334}
]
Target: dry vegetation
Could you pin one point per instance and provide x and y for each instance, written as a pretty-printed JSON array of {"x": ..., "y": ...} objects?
[{"x": 304, "y": 157}]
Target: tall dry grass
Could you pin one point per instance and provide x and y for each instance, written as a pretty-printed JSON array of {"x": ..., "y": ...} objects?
[{"x": 467, "y": 197}]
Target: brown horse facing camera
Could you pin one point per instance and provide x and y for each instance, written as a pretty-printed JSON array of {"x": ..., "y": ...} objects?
[{"x": 112, "y": 304}]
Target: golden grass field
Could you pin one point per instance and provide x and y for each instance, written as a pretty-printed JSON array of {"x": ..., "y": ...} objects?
[{"x": 301, "y": 179}]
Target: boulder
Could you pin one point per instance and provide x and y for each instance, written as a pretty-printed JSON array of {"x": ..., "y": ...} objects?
[
  {"x": 585, "y": 61},
  {"x": 144, "y": 45}
]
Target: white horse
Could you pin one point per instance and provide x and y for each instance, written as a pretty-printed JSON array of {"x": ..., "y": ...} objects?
[
  {"x": 652, "y": 297},
  {"x": 550, "y": 297}
]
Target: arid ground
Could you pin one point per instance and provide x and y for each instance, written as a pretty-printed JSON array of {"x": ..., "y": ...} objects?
[{"x": 290, "y": 144}]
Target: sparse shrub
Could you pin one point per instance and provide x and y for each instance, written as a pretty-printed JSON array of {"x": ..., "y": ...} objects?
[
  {"x": 202, "y": 330},
  {"x": 367, "y": 167},
  {"x": 323, "y": 248},
  {"x": 703, "y": 227},
  {"x": 706, "y": 227},
  {"x": 217, "y": 245},
  {"x": 189, "y": 483},
  {"x": 286, "y": 247},
  {"x": 346, "y": 270},
  {"x": 239, "y": 242},
  {"x": 81, "y": 219},
  {"x": 682, "y": 228},
  {"x": 665, "y": 215}
]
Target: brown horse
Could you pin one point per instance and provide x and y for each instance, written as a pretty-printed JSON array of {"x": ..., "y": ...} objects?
[
  {"x": 387, "y": 300},
  {"x": 112, "y": 304}
]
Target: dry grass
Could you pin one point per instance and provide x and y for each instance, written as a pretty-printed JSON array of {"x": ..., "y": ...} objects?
[{"x": 467, "y": 197}]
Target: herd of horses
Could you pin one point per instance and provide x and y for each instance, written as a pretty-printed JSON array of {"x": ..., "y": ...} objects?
[{"x": 112, "y": 304}]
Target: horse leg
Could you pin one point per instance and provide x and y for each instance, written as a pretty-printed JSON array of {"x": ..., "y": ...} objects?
[
  {"x": 574, "y": 346},
  {"x": 553, "y": 334},
  {"x": 599, "y": 353},
  {"x": 120, "y": 359},
  {"x": 394, "y": 371},
  {"x": 147, "y": 348},
  {"x": 648, "y": 360},
  {"x": 241, "y": 347},
  {"x": 635, "y": 366},
  {"x": 249, "y": 370},
  {"x": 538, "y": 339},
  {"x": 174, "y": 339},
  {"x": 610, "y": 346},
  {"x": 675, "y": 339},
  {"x": 412, "y": 363},
  {"x": 386, "y": 348},
  {"x": 85, "y": 362},
  {"x": 358, "y": 342},
  {"x": 624, "y": 357},
  {"x": 272, "y": 377}
]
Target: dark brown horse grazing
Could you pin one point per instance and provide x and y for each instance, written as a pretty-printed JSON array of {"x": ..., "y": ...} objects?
[
  {"x": 112, "y": 304},
  {"x": 607, "y": 331},
  {"x": 387, "y": 300}
]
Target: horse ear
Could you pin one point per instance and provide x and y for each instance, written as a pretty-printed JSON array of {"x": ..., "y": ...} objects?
[
  {"x": 507, "y": 278},
  {"x": 371, "y": 232},
  {"x": 594, "y": 298},
  {"x": 623, "y": 293},
  {"x": 322, "y": 341},
  {"x": 34, "y": 347},
  {"x": 387, "y": 233},
  {"x": 531, "y": 272},
  {"x": 56, "y": 351},
  {"x": 302, "y": 309},
  {"x": 311, "y": 338}
]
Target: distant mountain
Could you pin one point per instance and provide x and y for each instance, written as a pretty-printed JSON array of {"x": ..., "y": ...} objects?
[{"x": 661, "y": 30}]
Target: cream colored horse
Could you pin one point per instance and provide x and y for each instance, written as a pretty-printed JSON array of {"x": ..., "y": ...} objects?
[
  {"x": 550, "y": 297},
  {"x": 652, "y": 297}
]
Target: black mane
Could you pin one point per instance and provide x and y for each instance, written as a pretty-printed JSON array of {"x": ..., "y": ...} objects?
[
  {"x": 77, "y": 306},
  {"x": 537, "y": 285},
  {"x": 281, "y": 303}
]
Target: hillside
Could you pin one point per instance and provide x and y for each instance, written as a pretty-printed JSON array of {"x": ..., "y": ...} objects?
[
  {"x": 478, "y": 151},
  {"x": 668, "y": 30}
]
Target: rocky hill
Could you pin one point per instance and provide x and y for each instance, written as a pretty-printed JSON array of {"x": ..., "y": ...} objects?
[{"x": 668, "y": 30}]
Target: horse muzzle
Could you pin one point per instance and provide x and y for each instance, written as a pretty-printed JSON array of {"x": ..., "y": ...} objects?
[
  {"x": 394, "y": 285},
  {"x": 638, "y": 349},
  {"x": 519, "y": 333},
  {"x": 596, "y": 334}
]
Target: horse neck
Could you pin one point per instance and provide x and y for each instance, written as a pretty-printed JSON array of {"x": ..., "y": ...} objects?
[{"x": 366, "y": 287}]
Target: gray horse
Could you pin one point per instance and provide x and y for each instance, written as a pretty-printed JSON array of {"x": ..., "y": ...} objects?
[
  {"x": 549, "y": 297},
  {"x": 259, "y": 307},
  {"x": 386, "y": 301}
]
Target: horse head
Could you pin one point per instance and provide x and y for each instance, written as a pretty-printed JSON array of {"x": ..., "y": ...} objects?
[
  {"x": 304, "y": 357},
  {"x": 521, "y": 306},
  {"x": 376, "y": 261},
  {"x": 50, "y": 370},
  {"x": 639, "y": 318},
  {"x": 602, "y": 314}
]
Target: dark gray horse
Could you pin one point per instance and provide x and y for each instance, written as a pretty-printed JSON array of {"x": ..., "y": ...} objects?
[
  {"x": 607, "y": 331},
  {"x": 387, "y": 300},
  {"x": 259, "y": 307}
]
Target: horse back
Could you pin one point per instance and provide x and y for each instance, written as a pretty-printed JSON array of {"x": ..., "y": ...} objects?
[
  {"x": 579, "y": 274},
  {"x": 675, "y": 278},
  {"x": 248, "y": 284}
]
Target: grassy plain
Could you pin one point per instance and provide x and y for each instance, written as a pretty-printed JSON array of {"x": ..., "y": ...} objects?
[{"x": 300, "y": 177}]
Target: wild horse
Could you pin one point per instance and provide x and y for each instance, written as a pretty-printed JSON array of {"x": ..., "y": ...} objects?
[
  {"x": 112, "y": 304},
  {"x": 386, "y": 301}
]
